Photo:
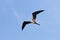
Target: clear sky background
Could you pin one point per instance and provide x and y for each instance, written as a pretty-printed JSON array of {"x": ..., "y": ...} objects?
[{"x": 14, "y": 12}]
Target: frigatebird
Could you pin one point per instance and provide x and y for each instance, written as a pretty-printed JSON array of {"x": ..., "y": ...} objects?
[{"x": 34, "y": 14}]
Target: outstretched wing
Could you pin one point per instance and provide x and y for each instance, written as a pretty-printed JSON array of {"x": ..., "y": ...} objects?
[
  {"x": 35, "y": 13},
  {"x": 24, "y": 24}
]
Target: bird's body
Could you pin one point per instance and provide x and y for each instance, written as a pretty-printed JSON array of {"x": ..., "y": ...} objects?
[{"x": 33, "y": 20}]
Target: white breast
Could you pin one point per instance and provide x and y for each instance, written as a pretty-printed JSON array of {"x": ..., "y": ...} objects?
[{"x": 32, "y": 21}]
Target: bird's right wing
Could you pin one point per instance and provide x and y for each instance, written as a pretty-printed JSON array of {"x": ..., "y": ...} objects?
[{"x": 24, "y": 24}]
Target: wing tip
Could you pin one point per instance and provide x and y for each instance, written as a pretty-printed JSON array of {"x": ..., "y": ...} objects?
[
  {"x": 22, "y": 29},
  {"x": 42, "y": 10}
]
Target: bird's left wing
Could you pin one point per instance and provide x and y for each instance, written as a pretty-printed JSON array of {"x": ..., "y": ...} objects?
[
  {"x": 34, "y": 14},
  {"x": 24, "y": 24}
]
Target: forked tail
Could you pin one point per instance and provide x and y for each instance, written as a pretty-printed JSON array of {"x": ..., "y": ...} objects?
[{"x": 37, "y": 23}]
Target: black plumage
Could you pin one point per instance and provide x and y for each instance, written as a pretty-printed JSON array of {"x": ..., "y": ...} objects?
[
  {"x": 24, "y": 24},
  {"x": 34, "y": 14}
]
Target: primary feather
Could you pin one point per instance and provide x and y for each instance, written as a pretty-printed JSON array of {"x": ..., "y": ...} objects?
[
  {"x": 24, "y": 24},
  {"x": 35, "y": 13}
]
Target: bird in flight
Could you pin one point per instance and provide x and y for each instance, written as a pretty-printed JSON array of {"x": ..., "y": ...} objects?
[{"x": 34, "y": 14}]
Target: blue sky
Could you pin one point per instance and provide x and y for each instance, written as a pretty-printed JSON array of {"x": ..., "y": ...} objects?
[{"x": 14, "y": 12}]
